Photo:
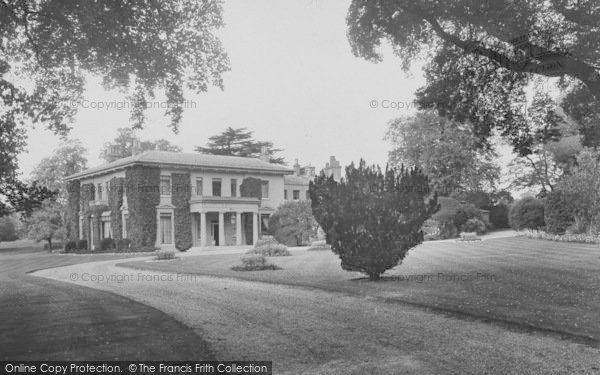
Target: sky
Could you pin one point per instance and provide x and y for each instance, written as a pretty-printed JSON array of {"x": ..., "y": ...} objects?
[{"x": 293, "y": 81}]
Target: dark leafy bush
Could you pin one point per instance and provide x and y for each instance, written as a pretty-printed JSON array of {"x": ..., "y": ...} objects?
[
  {"x": 527, "y": 213},
  {"x": 558, "y": 212},
  {"x": 70, "y": 246},
  {"x": 107, "y": 244},
  {"x": 165, "y": 254},
  {"x": 464, "y": 213},
  {"x": 499, "y": 216},
  {"x": 372, "y": 218},
  {"x": 82, "y": 245},
  {"x": 293, "y": 224},
  {"x": 475, "y": 225},
  {"x": 55, "y": 245},
  {"x": 8, "y": 231}
]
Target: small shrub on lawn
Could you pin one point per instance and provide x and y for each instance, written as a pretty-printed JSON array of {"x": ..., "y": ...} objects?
[
  {"x": 255, "y": 262},
  {"x": 579, "y": 238},
  {"x": 107, "y": 244},
  {"x": 71, "y": 246},
  {"x": 266, "y": 240},
  {"x": 123, "y": 244},
  {"x": 270, "y": 250},
  {"x": 165, "y": 254},
  {"x": 475, "y": 225},
  {"x": 527, "y": 213},
  {"x": 82, "y": 245}
]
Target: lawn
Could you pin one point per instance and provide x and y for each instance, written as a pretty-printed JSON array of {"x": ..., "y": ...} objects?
[{"x": 520, "y": 283}]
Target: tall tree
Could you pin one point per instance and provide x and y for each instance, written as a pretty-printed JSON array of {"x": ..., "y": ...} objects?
[
  {"x": 46, "y": 223},
  {"x": 122, "y": 145},
  {"x": 481, "y": 54},
  {"x": 51, "y": 45},
  {"x": 69, "y": 158},
  {"x": 239, "y": 142},
  {"x": 445, "y": 150}
]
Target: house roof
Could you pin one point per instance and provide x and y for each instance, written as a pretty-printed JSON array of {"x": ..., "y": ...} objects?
[
  {"x": 185, "y": 159},
  {"x": 295, "y": 180}
]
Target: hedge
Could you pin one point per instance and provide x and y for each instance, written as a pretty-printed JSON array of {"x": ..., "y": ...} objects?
[
  {"x": 72, "y": 214},
  {"x": 143, "y": 195},
  {"x": 183, "y": 219}
]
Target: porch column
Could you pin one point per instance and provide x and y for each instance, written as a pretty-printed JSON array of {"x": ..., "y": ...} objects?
[
  {"x": 203, "y": 229},
  {"x": 254, "y": 228},
  {"x": 238, "y": 228},
  {"x": 221, "y": 228}
]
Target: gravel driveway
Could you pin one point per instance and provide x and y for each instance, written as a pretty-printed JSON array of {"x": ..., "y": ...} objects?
[{"x": 313, "y": 331}]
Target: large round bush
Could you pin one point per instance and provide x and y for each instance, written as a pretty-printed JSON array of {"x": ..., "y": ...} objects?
[{"x": 527, "y": 213}]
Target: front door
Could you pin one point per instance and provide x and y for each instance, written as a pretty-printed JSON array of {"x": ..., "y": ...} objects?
[{"x": 214, "y": 229}]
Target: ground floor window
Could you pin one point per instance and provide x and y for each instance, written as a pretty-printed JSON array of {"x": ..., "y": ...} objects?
[
  {"x": 125, "y": 219},
  {"x": 166, "y": 230},
  {"x": 106, "y": 230},
  {"x": 264, "y": 223}
]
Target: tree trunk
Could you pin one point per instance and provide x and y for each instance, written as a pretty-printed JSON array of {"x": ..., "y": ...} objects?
[{"x": 50, "y": 244}]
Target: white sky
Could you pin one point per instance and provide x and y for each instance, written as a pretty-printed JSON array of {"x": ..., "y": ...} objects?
[{"x": 293, "y": 80}]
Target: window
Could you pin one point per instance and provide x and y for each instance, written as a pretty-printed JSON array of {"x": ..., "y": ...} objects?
[
  {"x": 265, "y": 189},
  {"x": 296, "y": 195},
  {"x": 234, "y": 187},
  {"x": 99, "y": 192},
  {"x": 107, "y": 185},
  {"x": 216, "y": 187},
  {"x": 165, "y": 185},
  {"x": 199, "y": 186},
  {"x": 264, "y": 223},
  {"x": 106, "y": 230},
  {"x": 285, "y": 195},
  {"x": 165, "y": 229}
]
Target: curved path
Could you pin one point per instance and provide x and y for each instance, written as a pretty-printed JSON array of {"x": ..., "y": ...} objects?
[
  {"x": 42, "y": 319},
  {"x": 313, "y": 331}
]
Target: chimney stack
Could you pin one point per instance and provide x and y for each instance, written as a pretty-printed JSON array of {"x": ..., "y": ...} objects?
[
  {"x": 264, "y": 154},
  {"x": 136, "y": 147}
]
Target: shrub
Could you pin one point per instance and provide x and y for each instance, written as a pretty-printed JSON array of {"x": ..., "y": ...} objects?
[
  {"x": 558, "y": 212},
  {"x": 270, "y": 250},
  {"x": 499, "y": 216},
  {"x": 71, "y": 246},
  {"x": 254, "y": 262},
  {"x": 8, "y": 230},
  {"x": 464, "y": 213},
  {"x": 580, "y": 238},
  {"x": 475, "y": 225},
  {"x": 55, "y": 245},
  {"x": 123, "y": 244},
  {"x": 107, "y": 244},
  {"x": 527, "y": 213},
  {"x": 372, "y": 218},
  {"x": 431, "y": 230},
  {"x": 266, "y": 240},
  {"x": 82, "y": 245},
  {"x": 165, "y": 254},
  {"x": 293, "y": 224}
]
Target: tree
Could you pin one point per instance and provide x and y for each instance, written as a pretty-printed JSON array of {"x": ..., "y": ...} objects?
[
  {"x": 8, "y": 229},
  {"x": 482, "y": 53},
  {"x": 527, "y": 213},
  {"x": 69, "y": 158},
  {"x": 122, "y": 145},
  {"x": 445, "y": 150},
  {"x": 46, "y": 223},
  {"x": 293, "y": 224},
  {"x": 239, "y": 142},
  {"x": 138, "y": 46},
  {"x": 372, "y": 217}
]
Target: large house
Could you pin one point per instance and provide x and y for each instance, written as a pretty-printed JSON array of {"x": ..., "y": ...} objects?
[{"x": 173, "y": 199}]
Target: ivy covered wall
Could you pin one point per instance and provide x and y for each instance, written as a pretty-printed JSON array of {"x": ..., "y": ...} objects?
[
  {"x": 143, "y": 195},
  {"x": 72, "y": 214},
  {"x": 180, "y": 198},
  {"x": 115, "y": 201},
  {"x": 86, "y": 194}
]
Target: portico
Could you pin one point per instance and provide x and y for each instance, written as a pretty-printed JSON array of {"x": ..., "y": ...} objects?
[{"x": 225, "y": 221}]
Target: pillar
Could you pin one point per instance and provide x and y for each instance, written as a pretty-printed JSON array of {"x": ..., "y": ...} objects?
[
  {"x": 254, "y": 228},
  {"x": 221, "y": 228},
  {"x": 238, "y": 228},
  {"x": 203, "y": 229}
]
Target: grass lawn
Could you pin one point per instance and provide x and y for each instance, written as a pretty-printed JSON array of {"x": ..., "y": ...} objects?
[{"x": 521, "y": 283}]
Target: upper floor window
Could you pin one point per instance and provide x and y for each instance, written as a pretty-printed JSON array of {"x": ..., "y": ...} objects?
[
  {"x": 234, "y": 187},
  {"x": 165, "y": 185},
  {"x": 216, "y": 187},
  {"x": 199, "y": 187},
  {"x": 265, "y": 189},
  {"x": 296, "y": 195},
  {"x": 99, "y": 192}
]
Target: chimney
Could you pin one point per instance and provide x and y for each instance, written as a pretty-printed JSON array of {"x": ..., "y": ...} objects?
[
  {"x": 136, "y": 147},
  {"x": 264, "y": 154},
  {"x": 297, "y": 168}
]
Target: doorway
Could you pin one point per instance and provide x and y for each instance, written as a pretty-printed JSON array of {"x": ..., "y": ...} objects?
[{"x": 214, "y": 231}]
